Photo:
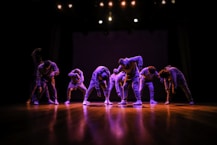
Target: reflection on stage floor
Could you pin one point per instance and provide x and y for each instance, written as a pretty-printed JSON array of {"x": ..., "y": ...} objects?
[{"x": 99, "y": 124}]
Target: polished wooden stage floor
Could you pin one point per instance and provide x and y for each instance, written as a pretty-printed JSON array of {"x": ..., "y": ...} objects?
[{"x": 98, "y": 124}]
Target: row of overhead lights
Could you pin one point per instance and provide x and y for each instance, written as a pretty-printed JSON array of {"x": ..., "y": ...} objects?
[
  {"x": 110, "y": 4},
  {"x": 123, "y": 3}
]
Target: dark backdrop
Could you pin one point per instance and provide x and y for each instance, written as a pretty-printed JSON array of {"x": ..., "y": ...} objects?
[{"x": 187, "y": 43}]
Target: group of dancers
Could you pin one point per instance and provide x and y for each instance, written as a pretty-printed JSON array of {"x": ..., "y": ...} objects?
[{"x": 129, "y": 73}]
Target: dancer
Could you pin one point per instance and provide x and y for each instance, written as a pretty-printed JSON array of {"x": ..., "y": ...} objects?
[
  {"x": 37, "y": 60},
  {"x": 147, "y": 75},
  {"x": 117, "y": 80},
  {"x": 131, "y": 66},
  {"x": 76, "y": 82},
  {"x": 100, "y": 79},
  {"x": 46, "y": 73},
  {"x": 172, "y": 79}
]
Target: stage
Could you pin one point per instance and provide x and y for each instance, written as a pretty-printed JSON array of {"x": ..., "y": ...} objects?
[{"x": 99, "y": 124}]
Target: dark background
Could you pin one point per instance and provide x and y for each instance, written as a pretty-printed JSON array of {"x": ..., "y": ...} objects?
[{"x": 182, "y": 35}]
